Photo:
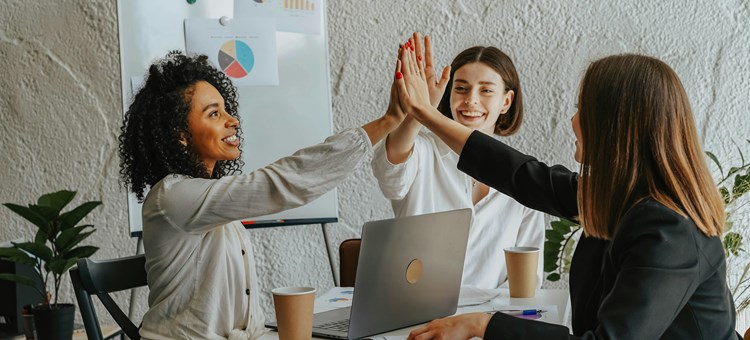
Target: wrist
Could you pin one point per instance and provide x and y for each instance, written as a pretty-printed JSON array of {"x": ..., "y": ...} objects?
[
  {"x": 389, "y": 121},
  {"x": 480, "y": 326}
]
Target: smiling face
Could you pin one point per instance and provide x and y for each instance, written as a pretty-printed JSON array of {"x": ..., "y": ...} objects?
[
  {"x": 212, "y": 129},
  {"x": 478, "y": 97}
]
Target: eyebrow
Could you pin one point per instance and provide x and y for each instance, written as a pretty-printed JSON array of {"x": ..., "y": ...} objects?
[
  {"x": 481, "y": 82},
  {"x": 212, "y": 105}
]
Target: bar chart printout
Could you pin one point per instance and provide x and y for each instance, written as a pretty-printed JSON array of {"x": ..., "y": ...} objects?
[{"x": 297, "y": 16}]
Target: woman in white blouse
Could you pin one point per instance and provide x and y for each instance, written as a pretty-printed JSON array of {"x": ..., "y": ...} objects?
[
  {"x": 181, "y": 140},
  {"x": 418, "y": 173}
]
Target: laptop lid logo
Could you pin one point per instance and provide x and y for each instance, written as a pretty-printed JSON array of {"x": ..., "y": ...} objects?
[{"x": 414, "y": 271}]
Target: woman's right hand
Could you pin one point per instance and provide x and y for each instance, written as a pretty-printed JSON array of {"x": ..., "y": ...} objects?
[{"x": 413, "y": 91}]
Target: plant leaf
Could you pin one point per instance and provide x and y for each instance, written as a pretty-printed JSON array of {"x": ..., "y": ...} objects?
[
  {"x": 48, "y": 213},
  {"x": 64, "y": 240},
  {"x": 41, "y": 236},
  {"x": 553, "y": 277},
  {"x": 25, "y": 280},
  {"x": 39, "y": 250},
  {"x": 71, "y": 218},
  {"x": 30, "y": 215},
  {"x": 725, "y": 195},
  {"x": 60, "y": 266},
  {"x": 77, "y": 238},
  {"x": 56, "y": 200},
  {"x": 81, "y": 252},
  {"x": 741, "y": 185},
  {"x": 716, "y": 161},
  {"x": 18, "y": 256},
  {"x": 551, "y": 251},
  {"x": 553, "y": 236},
  {"x": 732, "y": 170}
]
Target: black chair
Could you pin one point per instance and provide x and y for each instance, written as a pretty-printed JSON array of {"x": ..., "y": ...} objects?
[{"x": 104, "y": 277}]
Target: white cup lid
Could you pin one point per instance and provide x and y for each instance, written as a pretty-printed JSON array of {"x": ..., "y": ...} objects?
[
  {"x": 521, "y": 249},
  {"x": 292, "y": 290}
]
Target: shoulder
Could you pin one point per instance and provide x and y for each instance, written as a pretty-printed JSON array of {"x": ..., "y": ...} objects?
[{"x": 651, "y": 229}]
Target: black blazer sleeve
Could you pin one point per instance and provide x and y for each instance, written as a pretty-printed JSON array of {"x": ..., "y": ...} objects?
[{"x": 530, "y": 182}]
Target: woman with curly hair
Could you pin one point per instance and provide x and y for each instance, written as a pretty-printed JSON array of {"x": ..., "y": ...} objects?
[{"x": 181, "y": 141}]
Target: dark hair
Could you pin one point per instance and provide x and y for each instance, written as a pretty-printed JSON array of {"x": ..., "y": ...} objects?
[
  {"x": 150, "y": 147},
  {"x": 508, "y": 123},
  {"x": 639, "y": 141}
]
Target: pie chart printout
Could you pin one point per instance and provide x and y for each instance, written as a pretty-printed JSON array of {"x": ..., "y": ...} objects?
[{"x": 236, "y": 58}]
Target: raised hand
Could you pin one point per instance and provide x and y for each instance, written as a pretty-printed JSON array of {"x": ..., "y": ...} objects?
[
  {"x": 436, "y": 86},
  {"x": 394, "y": 108},
  {"x": 413, "y": 90}
]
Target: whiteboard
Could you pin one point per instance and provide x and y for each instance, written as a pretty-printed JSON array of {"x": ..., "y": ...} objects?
[{"x": 276, "y": 120}]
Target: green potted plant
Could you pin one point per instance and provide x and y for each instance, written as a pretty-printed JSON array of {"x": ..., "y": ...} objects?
[
  {"x": 733, "y": 185},
  {"x": 53, "y": 251}
]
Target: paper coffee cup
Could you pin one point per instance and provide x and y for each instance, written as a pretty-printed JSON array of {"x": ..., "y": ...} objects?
[
  {"x": 521, "y": 263},
  {"x": 294, "y": 312}
]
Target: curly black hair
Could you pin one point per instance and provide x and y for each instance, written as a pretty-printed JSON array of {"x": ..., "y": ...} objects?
[{"x": 150, "y": 147}]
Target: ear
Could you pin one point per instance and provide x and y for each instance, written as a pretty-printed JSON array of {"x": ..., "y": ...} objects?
[
  {"x": 507, "y": 101},
  {"x": 183, "y": 139}
]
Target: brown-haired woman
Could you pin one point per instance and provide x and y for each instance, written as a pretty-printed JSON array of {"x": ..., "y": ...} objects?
[
  {"x": 417, "y": 171},
  {"x": 651, "y": 265}
]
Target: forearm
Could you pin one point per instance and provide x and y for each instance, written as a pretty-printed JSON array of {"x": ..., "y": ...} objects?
[
  {"x": 451, "y": 132},
  {"x": 379, "y": 128},
  {"x": 400, "y": 142}
]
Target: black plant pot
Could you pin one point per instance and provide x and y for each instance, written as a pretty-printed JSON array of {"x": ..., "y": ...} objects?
[{"x": 54, "y": 323}]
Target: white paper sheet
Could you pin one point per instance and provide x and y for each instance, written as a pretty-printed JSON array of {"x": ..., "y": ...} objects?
[
  {"x": 470, "y": 296},
  {"x": 337, "y": 297},
  {"x": 244, "y": 49}
]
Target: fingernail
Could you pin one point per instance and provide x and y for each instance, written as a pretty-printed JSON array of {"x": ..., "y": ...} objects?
[
  {"x": 399, "y": 75},
  {"x": 419, "y": 57}
]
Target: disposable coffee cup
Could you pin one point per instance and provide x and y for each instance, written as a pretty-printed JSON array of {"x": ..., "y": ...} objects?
[
  {"x": 294, "y": 312},
  {"x": 521, "y": 263}
]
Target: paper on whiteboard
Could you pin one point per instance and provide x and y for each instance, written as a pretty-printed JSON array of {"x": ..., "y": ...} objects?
[
  {"x": 299, "y": 16},
  {"x": 245, "y": 50}
]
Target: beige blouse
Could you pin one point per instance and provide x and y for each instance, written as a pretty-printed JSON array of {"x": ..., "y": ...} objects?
[{"x": 201, "y": 270}]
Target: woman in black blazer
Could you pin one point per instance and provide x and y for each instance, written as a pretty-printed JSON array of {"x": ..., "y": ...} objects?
[{"x": 651, "y": 264}]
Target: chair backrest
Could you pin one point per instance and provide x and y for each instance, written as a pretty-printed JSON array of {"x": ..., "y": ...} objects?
[
  {"x": 101, "y": 278},
  {"x": 348, "y": 259}
]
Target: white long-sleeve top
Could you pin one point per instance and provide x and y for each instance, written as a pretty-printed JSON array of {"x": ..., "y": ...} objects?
[
  {"x": 429, "y": 181},
  {"x": 200, "y": 264}
]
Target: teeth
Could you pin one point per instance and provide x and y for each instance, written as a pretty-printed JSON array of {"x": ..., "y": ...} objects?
[
  {"x": 230, "y": 139},
  {"x": 472, "y": 113}
]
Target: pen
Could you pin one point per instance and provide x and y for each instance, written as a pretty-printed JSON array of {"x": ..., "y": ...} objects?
[{"x": 521, "y": 311}]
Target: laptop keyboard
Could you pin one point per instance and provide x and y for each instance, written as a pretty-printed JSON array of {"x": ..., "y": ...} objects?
[{"x": 341, "y": 325}]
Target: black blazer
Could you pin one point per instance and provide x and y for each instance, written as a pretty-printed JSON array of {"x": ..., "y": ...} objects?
[{"x": 659, "y": 277}]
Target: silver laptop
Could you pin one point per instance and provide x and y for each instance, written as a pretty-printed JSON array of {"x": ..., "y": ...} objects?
[{"x": 409, "y": 272}]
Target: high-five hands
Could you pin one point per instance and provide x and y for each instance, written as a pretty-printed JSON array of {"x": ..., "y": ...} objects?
[{"x": 413, "y": 90}]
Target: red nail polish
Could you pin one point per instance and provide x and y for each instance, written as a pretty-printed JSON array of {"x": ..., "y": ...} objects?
[
  {"x": 399, "y": 75},
  {"x": 419, "y": 57}
]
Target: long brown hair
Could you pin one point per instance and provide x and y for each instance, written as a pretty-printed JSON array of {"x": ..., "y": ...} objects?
[
  {"x": 639, "y": 142},
  {"x": 508, "y": 123}
]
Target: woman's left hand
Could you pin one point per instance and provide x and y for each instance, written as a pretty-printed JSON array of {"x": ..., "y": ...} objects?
[
  {"x": 413, "y": 91},
  {"x": 459, "y": 327}
]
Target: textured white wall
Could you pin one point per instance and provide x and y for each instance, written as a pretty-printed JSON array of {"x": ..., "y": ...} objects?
[{"x": 60, "y": 110}]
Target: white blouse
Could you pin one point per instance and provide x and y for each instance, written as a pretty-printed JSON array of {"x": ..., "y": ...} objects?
[
  {"x": 201, "y": 270},
  {"x": 429, "y": 181}
]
